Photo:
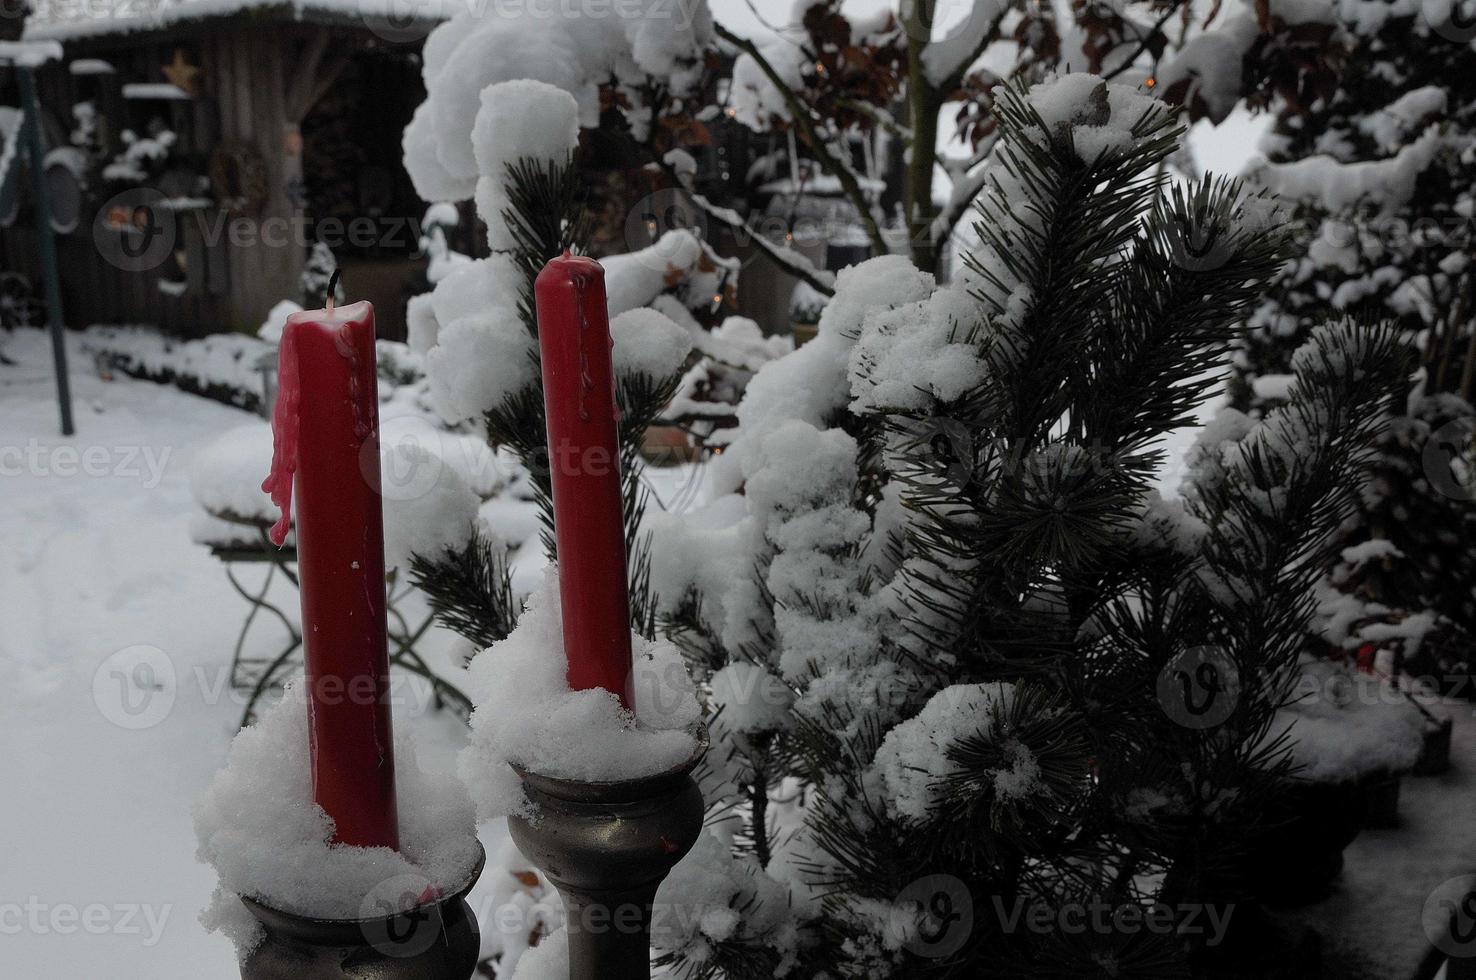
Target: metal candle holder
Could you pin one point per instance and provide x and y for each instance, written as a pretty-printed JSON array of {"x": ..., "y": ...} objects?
[
  {"x": 607, "y": 846},
  {"x": 437, "y": 940}
]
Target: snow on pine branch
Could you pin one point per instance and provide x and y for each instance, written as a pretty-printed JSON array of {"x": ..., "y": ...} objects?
[{"x": 585, "y": 50}]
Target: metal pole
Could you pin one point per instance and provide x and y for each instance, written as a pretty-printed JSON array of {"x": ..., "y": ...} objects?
[
  {"x": 48, "y": 244},
  {"x": 607, "y": 847}
]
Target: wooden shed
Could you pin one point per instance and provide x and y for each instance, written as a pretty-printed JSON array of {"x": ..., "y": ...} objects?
[{"x": 198, "y": 149}]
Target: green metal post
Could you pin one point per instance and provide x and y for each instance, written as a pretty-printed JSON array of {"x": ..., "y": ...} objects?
[{"x": 48, "y": 245}]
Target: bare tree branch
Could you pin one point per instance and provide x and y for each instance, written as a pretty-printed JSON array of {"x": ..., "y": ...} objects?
[{"x": 824, "y": 154}]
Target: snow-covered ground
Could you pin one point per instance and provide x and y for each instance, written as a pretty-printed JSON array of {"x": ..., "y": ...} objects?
[{"x": 102, "y": 752}]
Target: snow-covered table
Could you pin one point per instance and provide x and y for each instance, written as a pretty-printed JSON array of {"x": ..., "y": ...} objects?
[{"x": 1372, "y": 922}]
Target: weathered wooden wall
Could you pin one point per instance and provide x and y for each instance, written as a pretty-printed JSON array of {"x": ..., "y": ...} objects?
[{"x": 248, "y": 65}]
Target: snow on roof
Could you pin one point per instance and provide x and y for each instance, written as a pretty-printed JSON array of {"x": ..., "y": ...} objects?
[{"x": 63, "y": 20}]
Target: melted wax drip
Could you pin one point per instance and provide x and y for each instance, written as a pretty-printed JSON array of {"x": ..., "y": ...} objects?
[{"x": 285, "y": 416}]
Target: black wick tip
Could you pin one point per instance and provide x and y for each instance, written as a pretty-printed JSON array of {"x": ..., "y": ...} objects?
[{"x": 333, "y": 285}]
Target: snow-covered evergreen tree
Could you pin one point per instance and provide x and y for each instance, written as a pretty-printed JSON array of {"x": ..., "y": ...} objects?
[
  {"x": 959, "y": 649},
  {"x": 1381, "y": 171}
]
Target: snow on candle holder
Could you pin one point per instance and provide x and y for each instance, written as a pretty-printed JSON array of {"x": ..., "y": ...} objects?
[
  {"x": 528, "y": 716},
  {"x": 268, "y": 841}
]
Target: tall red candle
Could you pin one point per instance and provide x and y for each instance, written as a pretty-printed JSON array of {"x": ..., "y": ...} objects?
[
  {"x": 584, "y": 460},
  {"x": 326, "y": 430}
]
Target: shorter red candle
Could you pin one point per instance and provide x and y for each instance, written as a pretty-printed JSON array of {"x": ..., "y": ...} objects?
[
  {"x": 326, "y": 430},
  {"x": 584, "y": 461}
]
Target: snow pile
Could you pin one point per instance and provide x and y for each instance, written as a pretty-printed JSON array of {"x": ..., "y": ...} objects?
[
  {"x": 1208, "y": 69},
  {"x": 526, "y": 714},
  {"x": 704, "y": 895},
  {"x": 750, "y": 699},
  {"x": 649, "y": 343},
  {"x": 226, "y": 476},
  {"x": 1347, "y": 725},
  {"x": 479, "y": 360},
  {"x": 583, "y": 51},
  {"x": 549, "y": 960},
  {"x": 1337, "y": 186},
  {"x": 678, "y": 263},
  {"x": 909, "y": 357},
  {"x": 811, "y": 383},
  {"x": 1097, "y": 118},
  {"x": 428, "y": 507},
  {"x": 911, "y": 765},
  {"x": 519, "y": 121},
  {"x": 276, "y": 321},
  {"x": 223, "y": 367},
  {"x": 258, "y": 826},
  {"x": 421, "y": 328}
]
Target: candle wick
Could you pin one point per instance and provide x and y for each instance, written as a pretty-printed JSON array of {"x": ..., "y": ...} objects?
[{"x": 332, "y": 288}]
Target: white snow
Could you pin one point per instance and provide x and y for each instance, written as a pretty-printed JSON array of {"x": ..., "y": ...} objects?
[
  {"x": 648, "y": 342},
  {"x": 479, "y": 360},
  {"x": 520, "y": 120},
  {"x": 260, "y": 829},
  {"x": 1346, "y": 725},
  {"x": 579, "y": 52},
  {"x": 276, "y": 321},
  {"x": 227, "y": 473},
  {"x": 911, "y": 762},
  {"x": 527, "y": 714}
]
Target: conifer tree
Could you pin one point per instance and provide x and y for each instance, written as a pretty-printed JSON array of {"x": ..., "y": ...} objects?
[{"x": 971, "y": 665}]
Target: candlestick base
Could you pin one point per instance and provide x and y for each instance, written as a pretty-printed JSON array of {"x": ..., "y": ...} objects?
[
  {"x": 607, "y": 847},
  {"x": 438, "y": 940}
]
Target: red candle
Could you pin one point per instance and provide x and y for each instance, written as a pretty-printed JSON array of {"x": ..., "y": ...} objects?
[
  {"x": 584, "y": 460},
  {"x": 326, "y": 431}
]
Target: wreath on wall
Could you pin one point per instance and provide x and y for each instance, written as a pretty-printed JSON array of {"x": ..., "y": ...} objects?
[{"x": 238, "y": 175}]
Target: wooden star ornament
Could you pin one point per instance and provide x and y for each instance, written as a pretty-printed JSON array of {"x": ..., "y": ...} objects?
[{"x": 182, "y": 74}]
